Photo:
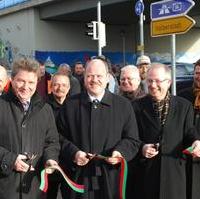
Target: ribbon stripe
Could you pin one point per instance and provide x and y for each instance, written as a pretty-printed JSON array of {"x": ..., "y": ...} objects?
[
  {"x": 80, "y": 188},
  {"x": 188, "y": 151}
]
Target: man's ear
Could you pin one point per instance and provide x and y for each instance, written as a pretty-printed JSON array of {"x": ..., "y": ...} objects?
[{"x": 108, "y": 78}]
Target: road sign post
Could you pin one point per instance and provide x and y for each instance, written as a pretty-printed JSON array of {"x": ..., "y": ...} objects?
[
  {"x": 169, "y": 18},
  {"x": 139, "y": 9}
]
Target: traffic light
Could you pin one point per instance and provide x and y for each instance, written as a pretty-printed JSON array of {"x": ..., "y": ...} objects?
[
  {"x": 102, "y": 34},
  {"x": 92, "y": 30},
  {"x": 98, "y": 32}
]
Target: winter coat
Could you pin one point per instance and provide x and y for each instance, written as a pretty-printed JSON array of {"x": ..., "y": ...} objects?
[
  {"x": 109, "y": 126},
  {"x": 163, "y": 176},
  {"x": 34, "y": 133},
  {"x": 194, "y": 166}
]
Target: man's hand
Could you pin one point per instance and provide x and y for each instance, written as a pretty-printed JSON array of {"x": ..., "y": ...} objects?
[
  {"x": 20, "y": 164},
  {"x": 81, "y": 158},
  {"x": 149, "y": 150},
  {"x": 115, "y": 158},
  {"x": 196, "y": 149},
  {"x": 49, "y": 163}
]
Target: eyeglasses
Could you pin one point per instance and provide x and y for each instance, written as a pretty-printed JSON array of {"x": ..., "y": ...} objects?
[{"x": 157, "y": 81}]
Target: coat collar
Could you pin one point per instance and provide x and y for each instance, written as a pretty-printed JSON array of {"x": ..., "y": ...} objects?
[
  {"x": 36, "y": 101},
  {"x": 148, "y": 110},
  {"x": 106, "y": 100}
]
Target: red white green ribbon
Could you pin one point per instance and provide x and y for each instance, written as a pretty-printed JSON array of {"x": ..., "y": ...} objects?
[
  {"x": 80, "y": 188},
  {"x": 122, "y": 177},
  {"x": 48, "y": 170},
  {"x": 188, "y": 151}
]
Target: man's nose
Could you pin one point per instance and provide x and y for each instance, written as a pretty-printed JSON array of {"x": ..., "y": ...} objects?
[{"x": 94, "y": 78}]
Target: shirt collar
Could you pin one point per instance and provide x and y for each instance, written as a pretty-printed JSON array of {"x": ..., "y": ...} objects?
[{"x": 99, "y": 98}]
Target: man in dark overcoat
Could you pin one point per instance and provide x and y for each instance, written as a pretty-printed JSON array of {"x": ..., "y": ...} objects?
[
  {"x": 193, "y": 95},
  {"x": 28, "y": 137},
  {"x": 165, "y": 124},
  {"x": 60, "y": 86},
  {"x": 97, "y": 122}
]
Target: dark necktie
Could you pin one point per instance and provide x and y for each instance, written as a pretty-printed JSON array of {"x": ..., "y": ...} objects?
[
  {"x": 25, "y": 106},
  {"x": 95, "y": 103}
]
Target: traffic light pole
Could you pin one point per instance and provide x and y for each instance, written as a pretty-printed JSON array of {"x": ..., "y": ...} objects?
[
  {"x": 173, "y": 60},
  {"x": 99, "y": 20}
]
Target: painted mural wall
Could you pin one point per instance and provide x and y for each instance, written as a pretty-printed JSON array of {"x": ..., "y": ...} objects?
[{"x": 17, "y": 36}]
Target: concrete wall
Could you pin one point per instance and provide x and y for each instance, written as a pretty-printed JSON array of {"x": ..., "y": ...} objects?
[
  {"x": 66, "y": 36},
  {"x": 23, "y": 32},
  {"x": 17, "y": 32}
]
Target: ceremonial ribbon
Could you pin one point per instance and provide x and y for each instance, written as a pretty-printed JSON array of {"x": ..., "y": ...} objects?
[
  {"x": 123, "y": 174},
  {"x": 123, "y": 178},
  {"x": 188, "y": 151},
  {"x": 48, "y": 170},
  {"x": 80, "y": 188}
]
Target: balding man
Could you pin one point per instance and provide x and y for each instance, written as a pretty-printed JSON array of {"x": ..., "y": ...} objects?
[
  {"x": 130, "y": 83},
  {"x": 3, "y": 79},
  {"x": 97, "y": 122}
]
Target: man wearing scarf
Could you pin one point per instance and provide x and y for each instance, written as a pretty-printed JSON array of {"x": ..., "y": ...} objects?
[
  {"x": 166, "y": 128},
  {"x": 193, "y": 95}
]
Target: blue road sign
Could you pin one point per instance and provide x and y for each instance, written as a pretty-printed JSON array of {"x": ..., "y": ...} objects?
[
  {"x": 170, "y": 8},
  {"x": 139, "y": 7}
]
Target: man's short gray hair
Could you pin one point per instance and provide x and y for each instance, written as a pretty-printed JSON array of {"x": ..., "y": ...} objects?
[
  {"x": 132, "y": 68},
  {"x": 166, "y": 68}
]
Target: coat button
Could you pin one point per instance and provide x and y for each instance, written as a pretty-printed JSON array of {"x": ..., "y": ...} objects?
[{"x": 4, "y": 166}]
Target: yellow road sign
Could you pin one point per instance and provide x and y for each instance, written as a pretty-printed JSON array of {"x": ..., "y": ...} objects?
[{"x": 175, "y": 25}]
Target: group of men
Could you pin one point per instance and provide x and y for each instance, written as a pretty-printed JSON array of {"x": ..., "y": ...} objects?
[{"x": 95, "y": 130}]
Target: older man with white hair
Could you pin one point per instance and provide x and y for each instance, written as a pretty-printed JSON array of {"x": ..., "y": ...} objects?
[{"x": 130, "y": 80}]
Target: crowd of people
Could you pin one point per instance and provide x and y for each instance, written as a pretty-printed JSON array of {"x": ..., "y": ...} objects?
[{"x": 87, "y": 120}]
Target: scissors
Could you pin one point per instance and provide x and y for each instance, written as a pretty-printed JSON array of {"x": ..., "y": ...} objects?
[{"x": 29, "y": 159}]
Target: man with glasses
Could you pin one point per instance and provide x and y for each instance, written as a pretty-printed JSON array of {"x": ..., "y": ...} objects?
[
  {"x": 130, "y": 83},
  {"x": 99, "y": 128},
  {"x": 166, "y": 128}
]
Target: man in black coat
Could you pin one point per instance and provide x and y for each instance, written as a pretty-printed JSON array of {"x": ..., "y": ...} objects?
[
  {"x": 28, "y": 137},
  {"x": 97, "y": 122},
  {"x": 166, "y": 128},
  {"x": 60, "y": 86},
  {"x": 193, "y": 95}
]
